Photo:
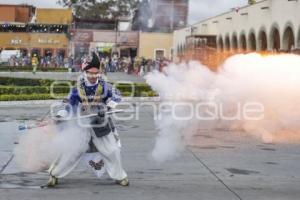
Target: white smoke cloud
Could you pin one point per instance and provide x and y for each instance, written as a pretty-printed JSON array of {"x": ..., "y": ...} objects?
[
  {"x": 42, "y": 146},
  {"x": 271, "y": 83}
]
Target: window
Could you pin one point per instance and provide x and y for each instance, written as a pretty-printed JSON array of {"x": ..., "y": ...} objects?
[{"x": 159, "y": 53}]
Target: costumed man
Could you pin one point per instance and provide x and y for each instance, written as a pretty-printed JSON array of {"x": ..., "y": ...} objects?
[
  {"x": 94, "y": 95},
  {"x": 34, "y": 63}
]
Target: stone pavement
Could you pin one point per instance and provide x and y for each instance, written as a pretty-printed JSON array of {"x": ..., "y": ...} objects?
[{"x": 218, "y": 165}]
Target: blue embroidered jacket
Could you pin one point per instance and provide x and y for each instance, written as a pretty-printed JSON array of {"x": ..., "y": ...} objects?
[{"x": 108, "y": 93}]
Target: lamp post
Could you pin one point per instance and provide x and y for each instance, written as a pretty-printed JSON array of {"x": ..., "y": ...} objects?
[{"x": 116, "y": 38}]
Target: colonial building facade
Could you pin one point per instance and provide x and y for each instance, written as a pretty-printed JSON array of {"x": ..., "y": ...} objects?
[
  {"x": 268, "y": 25},
  {"x": 43, "y": 32}
]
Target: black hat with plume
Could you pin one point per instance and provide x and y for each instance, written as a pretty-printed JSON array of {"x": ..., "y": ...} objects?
[{"x": 91, "y": 63}]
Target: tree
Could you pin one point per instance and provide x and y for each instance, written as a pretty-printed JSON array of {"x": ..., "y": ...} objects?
[
  {"x": 101, "y": 9},
  {"x": 141, "y": 16},
  {"x": 251, "y": 2}
]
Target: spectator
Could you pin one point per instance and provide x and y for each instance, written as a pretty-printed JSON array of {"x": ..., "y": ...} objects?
[{"x": 34, "y": 63}]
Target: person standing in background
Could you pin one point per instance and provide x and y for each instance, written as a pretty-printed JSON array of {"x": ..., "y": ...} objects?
[{"x": 34, "y": 63}]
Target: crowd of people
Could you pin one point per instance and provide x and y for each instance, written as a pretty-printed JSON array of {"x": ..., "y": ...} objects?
[
  {"x": 42, "y": 61},
  {"x": 141, "y": 66},
  {"x": 137, "y": 66}
]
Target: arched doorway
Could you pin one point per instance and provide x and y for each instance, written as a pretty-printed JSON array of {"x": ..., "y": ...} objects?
[
  {"x": 275, "y": 39},
  {"x": 227, "y": 43},
  {"x": 234, "y": 43},
  {"x": 243, "y": 42},
  {"x": 221, "y": 44},
  {"x": 178, "y": 49},
  {"x": 252, "y": 42},
  {"x": 288, "y": 39},
  {"x": 262, "y": 41},
  {"x": 298, "y": 40},
  {"x": 181, "y": 49}
]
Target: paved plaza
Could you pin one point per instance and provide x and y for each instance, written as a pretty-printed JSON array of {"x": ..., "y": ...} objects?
[{"x": 219, "y": 165}]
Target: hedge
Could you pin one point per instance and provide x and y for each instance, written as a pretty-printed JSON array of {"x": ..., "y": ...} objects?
[
  {"x": 10, "y": 81},
  {"x": 9, "y": 90},
  {"x": 24, "y": 81},
  {"x": 24, "y": 97},
  {"x": 34, "y": 89},
  {"x": 29, "y": 68},
  {"x": 139, "y": 90}
]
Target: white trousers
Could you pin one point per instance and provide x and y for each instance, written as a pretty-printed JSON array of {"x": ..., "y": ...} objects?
[{"x": 109, "y": 148}]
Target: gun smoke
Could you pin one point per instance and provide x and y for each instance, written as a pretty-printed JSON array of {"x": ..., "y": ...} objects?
[
  {"x": 40, "y": 147},
  {"x": 271, "y": 81}
]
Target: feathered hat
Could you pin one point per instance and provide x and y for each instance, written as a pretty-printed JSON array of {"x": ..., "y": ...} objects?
[{"x": 89, "y": 63}]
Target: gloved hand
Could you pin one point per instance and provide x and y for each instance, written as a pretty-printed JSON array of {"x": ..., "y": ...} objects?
[
  {"x": 62, "y": 114},
  {"x": 111, "y": 104},
  {"x": 101, "y": 113}
]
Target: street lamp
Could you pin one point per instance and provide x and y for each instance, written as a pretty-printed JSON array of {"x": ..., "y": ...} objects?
[{"x": 116, "y": 38}]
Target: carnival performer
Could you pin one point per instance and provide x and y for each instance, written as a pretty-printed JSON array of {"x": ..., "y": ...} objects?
[{"x": 93, "y": 95}]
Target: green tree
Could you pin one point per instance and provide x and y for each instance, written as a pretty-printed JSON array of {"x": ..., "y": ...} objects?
[
  {"x": 104, "y": 9},
  {"x": 251, "y": 2}
]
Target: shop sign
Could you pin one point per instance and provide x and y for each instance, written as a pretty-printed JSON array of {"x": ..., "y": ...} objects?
[
  {"x": 48, "y": 41},
  {"x": 15, "y": 41}
]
